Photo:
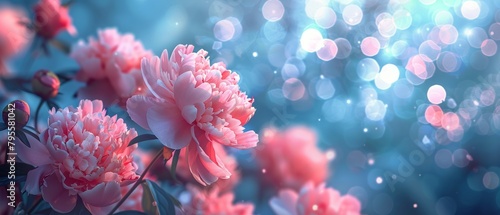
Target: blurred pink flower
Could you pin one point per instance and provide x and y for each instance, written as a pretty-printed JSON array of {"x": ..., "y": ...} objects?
[
  {"x": 83, "y": 153},
  {"x": 110, "y": 66},
  {"x": 313, "y": 200},
  {"x": 211, "y": 202},
  {"x": 224, "y": 185},
  {"x": 194, "y": 106},
  {"x": 14, "y": 35},
  {"x": 51, "y": 18},
  {"x": 291, "y": 158}
]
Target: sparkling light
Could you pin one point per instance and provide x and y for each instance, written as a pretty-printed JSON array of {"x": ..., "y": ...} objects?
[
  {"x": 436, "y": 94},
  {"x": 311, "y": 40},
  {"x": 273, "y": 10},
  {"x": 470, "y": 10}
]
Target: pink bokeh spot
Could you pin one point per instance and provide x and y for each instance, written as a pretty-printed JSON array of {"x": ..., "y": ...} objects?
[
  {"x": 433, "y": 115},
  {"x": 370, "y": 46}
]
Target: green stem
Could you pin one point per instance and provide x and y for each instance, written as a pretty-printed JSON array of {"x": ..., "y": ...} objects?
[
  {"x": 37, "y": 112},
  {"x": 139, "y": 181},
  {"x": 38, "y": 201}
]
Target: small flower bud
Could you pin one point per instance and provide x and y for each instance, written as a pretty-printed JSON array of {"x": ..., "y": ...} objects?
[
  {"x": 18, "y": 110},
  {"x": 45, "y": 84}
]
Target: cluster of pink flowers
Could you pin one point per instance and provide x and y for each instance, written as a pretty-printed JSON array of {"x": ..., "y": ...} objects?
[
  {"x": 289, "y": 156},
  {"x": 110, "y": 67},
  {"x": 82, "y": 153},
  {"x": 316, "y": 200},
  {"x": 193, "y": 106}
]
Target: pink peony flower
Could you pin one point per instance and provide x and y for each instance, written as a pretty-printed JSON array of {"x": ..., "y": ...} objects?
[
  {"x": 14, "y": 35},
  {"x": 291, "y": 158},
  {"x": 313, "y": 200},
  {"x": 211, "y": 202},
  {"x": 83, "y": 153},
  {"x": 224, "y": 185},
  {"x": 110, "y": 66},
  {"x": 51, "y": 17},
  {"x": 195, "y": 106}
]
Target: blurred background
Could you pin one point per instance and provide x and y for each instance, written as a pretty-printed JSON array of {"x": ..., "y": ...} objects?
[{"x": 402, "y": 93}]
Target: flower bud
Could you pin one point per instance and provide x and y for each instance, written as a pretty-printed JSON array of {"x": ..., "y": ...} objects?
[
  {"x": 45, "y": 84},
  {"x": 18, "y": 110}
]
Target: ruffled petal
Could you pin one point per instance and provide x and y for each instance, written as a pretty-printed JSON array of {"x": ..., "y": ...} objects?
[
  {"x": 59, "y": 198},
  {"x": 169, "y": 126}
]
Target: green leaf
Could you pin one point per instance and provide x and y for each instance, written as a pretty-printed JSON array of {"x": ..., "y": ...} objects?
[
  {"x": 131, "y": 213},
  {"x": 165, "y": 203},
  {"x": 141, "y": 138},
  {"x": 32, "y": 134},
  {"x": 147, "y": 200},
  {"x": 20, "y": 134},
  {"x": 174, "y": 164}
]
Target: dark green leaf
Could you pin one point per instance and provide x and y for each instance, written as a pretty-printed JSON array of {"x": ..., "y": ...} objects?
[
  {"x": 141, "y": 138},
  {"x": 20, "y": 134},
  {"x": 174, "y": 164},
  {"x": 5, "y": 181},
  {"x": 32, "y": 134},
  {"x": 147, "y": 200},
  {"x": 52, "y": 104},
  {"x": 21, "y": 169},
  {"x": 163, "y": 200},
  {"x": 131, "y": 213}
]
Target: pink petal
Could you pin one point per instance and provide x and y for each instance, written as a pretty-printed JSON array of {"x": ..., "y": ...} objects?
[
  {"x": 246, "y": 140},
  {"x": 59, "y": 198},
  {"x": 186, "y": 93},
  {"x": 151, "y": 73},
  {"x": 169, "y": 126},
  {"x": 37, "y": 155},
  {"x": 137, "y": 108},
  {"x": 124, "y": 84},
  {"x": 286, "y": 203},
  {"x": 189, "y": 113},
  {"x": 34, "y": 178},
  {"x": 102, "y": 195},
  {"x": 99, "y": 89}
]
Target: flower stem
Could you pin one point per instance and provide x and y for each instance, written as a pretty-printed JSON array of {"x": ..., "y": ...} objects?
[
  {"x": 139, "y": 181},
  {"x": 36, "y": 114},
  {"x": 37, "y": 202}
]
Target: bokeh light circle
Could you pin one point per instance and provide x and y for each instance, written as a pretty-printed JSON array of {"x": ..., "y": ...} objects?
[
  {"x": 293, "y": 89},
  {"x": 370, "y": 46},
  {"x": 470, "y": 10},
  {"x": 436, "y": 94},
  {"x": 325, "y": 17},
  {"x": 311, "y": 40},
  {"x": 352, "y": 14},
  {"x": 328, "y": 50},
  {"x": 273, "y": 10},
  {"x": 224, "y": 30}
]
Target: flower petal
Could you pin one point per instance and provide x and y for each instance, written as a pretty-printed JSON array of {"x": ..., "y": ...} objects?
[
  {"x": 34, "y": 177},
  {"x": 137, "y": 108},
  {"x": 99, "y": 89},
  {"x": 102, "y": 195},
  {"x": 37, "y": 155},
  {"x": 59, "y": 198},
  {"x": 186, "y": 93},
  {"x": 169, "y": 126}
]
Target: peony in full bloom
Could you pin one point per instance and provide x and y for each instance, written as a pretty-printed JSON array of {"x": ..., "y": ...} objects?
[
  {"x": 82, "y": 153},
  {"x": 14, "y": 34},
  {"x": 212, "y": 202},
  {"x": 51, "y": 17},
  {"x": 224, "y": 185},
  {"x": 291, "y": 157},
  {"x": 194, "y": 105},
  {"x": 313, "y": 200},
  {"x": 110, "y": 66}
]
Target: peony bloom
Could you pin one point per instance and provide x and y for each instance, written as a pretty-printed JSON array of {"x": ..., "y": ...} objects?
[
  {"x": 291, "y": 158},
  {"x": 224, "y": 185},
  {"x": 51, "y": 17},
  {"x": 195, "y": 106},
  {"x": 313, "y": 200},
  {"x": 82, "y": 153},
  {"x": 211, "y": 202},
  {"x": 110, "y": 66},
  {"x": 14, "y": 34}
]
